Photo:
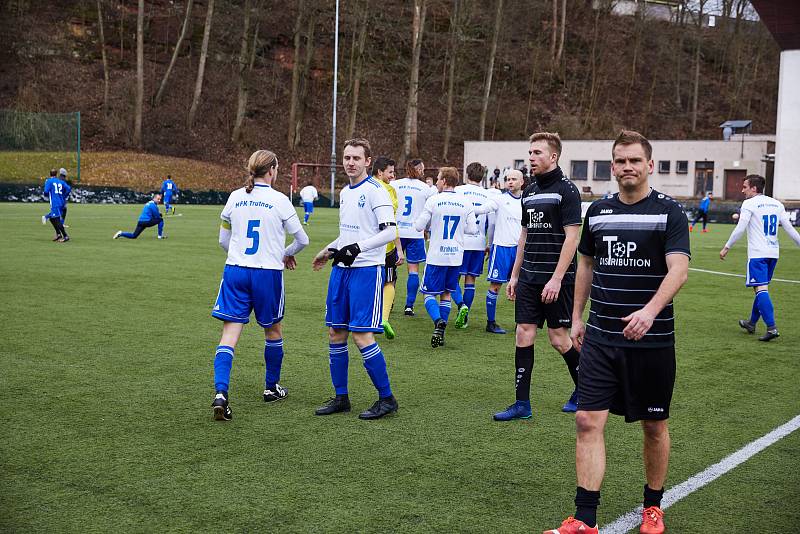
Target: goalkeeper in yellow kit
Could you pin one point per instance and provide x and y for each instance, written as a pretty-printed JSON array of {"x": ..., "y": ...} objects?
[{"x": 383, "y": 170}]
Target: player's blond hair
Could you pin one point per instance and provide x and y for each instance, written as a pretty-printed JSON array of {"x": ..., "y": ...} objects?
[
  {"x": 553, "y": 141},
  {"x": 450, "y": 175},
  {"x": 259, "y": 164}
]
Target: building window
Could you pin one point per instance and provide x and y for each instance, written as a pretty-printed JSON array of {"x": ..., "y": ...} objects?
[
  {"x": 663, "y": 167},
  {"x": 580, "y": 170},
  {"x": 602, "y": 170},
  {"x": 682, "y": 167},
  {"x": 519, "y": 164}
]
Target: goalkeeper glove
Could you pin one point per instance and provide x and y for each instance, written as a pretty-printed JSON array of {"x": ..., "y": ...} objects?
[{"x": 346, "y": 255}]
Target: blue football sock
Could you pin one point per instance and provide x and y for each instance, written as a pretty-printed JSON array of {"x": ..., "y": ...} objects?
[
  {"x": 469, "y": 294},
  {"x": 161, "y": 227},
  {"x": 766, "y": 309},
  {"x": 491, "y": 305},
  {"x": 432, "y": 307},
  {"x": 273, "y": 358},
  {"x": 412, "y": 286},
  {"x": 375, "y": 364},
  {"x": 444, "y": 310},
  {"x": 338, "y": 362},
  {"x": 754, "y": 313},
  {"x": 306, "y": 217},
  {"x": 457, "y": 297},
  {"x": 223, "y": 361}
]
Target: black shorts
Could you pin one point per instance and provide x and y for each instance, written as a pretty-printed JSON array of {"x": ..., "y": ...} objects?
[
  {"x": 390, "y": 267},
  {"x": 630, "y": 381},
  {"x": 530, "y": 309}
]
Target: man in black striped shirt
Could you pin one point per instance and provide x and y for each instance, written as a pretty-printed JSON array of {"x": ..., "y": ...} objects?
[
  {"x": 634, "y": 258},
  {"x": 544, "y": 270}
]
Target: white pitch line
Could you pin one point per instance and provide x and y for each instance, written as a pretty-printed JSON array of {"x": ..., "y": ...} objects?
[
  {"x": 633, "y": 519},
  {"x": 741, "y": 275}
]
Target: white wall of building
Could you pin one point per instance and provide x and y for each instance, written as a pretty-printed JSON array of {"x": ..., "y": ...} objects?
[
  {"x": 787, "y": 146},
  {"x": 737, "y": 154}
]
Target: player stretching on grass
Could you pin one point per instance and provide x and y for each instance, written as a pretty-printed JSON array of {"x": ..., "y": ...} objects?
[
  {"x": 451, "y": 215},
  {"x": 57, "y": 191},
  {"x": 759, "y": 217},
  {"x": 150, "y": 216},
  {"x": 355, "y": 288},
  {"x": 634, "y": 258},
  {"x": 383, "y": 170},
  {"x": 255, "y": 221}
]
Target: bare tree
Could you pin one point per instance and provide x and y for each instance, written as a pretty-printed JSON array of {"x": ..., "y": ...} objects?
[
  {"x": 103, "y": 54},
  {"x": 137, "y": 128},
  {"x": 554, "y": 35},
  {"x": 298, "y": 24},
  {"x": 201, "y": 68},
  {"x": 241, "y": 101},
  {"x": 699, "y": 36},
  {"x": 357, "y": 70},
  {"x": 410, "y": 147},
  {"x": 455, "y": 30},
  {"x": 562, "y": 31},
  {"x": 487, "y": 86},
  {"x": 304, "y": 78},
  {"x": 184, "y": 30}
]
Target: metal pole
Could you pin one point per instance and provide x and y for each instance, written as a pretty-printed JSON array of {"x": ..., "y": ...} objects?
[
  {"x": 335, "y": 88},
  {"x": 79, "y": 147}
]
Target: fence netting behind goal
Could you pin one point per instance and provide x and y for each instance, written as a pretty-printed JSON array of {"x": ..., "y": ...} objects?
[{"x": 32, "y": 143}]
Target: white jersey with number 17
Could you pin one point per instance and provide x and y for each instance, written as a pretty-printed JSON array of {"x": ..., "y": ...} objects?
[{"x": 451, "y": 216}]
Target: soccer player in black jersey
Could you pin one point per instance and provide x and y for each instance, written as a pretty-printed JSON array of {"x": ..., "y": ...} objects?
[
  {"x": 634, "y": 257},
  {"x": 544, "y": 270}
]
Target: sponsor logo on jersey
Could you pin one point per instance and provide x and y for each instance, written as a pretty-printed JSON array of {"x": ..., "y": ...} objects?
[
  {"x": 535, "y": 220},
  {"x": 621, "y": 253},
  {"x": 606, "y": 211},
  {"x": 362, "y": 200}
]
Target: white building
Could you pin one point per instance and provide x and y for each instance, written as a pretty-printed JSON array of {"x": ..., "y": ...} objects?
[{"x": 683, "y": 169}]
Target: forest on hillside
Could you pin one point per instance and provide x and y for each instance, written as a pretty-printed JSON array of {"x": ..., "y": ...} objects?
[{"x": 215, "y": 79}]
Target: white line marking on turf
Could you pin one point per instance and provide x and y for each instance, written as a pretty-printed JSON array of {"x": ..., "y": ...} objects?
[
  {"x": 633, "y": 519},
  {"x": 740, "y": 275}
]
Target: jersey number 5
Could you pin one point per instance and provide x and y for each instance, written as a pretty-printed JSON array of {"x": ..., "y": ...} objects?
[
  {"x": 451, "y": 229},
  {"x": 252, "y": 233},
  {"x": 770, "y": 224}
]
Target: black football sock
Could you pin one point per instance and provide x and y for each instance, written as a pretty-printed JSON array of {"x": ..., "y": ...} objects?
[
  {"x": 55, "y": 223},
  {"x": 652, "y": 497},
  {"x": 571, "y": 358},
  {"x": 586, "y": 503},
  {"x": 523, "y": 361}
]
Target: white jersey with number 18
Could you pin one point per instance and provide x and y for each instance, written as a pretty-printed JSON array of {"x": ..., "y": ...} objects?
[{"x": 761, "y": 215}]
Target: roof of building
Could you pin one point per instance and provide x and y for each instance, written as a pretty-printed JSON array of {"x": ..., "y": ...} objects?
[
  {"x": 782, "y": 19},
  {"x": 736, "y": 124}
]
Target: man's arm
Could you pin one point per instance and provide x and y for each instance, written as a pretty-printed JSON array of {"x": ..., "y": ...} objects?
[
  {"x": 787, "y": 225},
  {"x": 225, "y": 235},
  {"x": 741, "y": 228},
  {"x": 511, "y": 287},
  {"x": 640, "y": 321},
  {"x": 553, "y": 286},
  {"x": 583, "y": 285}
]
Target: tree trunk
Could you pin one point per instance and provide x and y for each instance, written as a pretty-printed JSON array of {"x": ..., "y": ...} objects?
[
  {"x": 201, "y": 69},
  {"x": 410, "y": 147},
  {"x": 121, "y": 30},
  {"x": 562, "y": 32},
  {"x": 295, "y": 73},
  {"x": 454, "y": 34},
  {"x": 186, "y": 22},
  {"x": 681, "y": 13},
  {"x": 487, "y": 86},
  {"x": 241, "y": 101},
  {"x": 554, "y": 35},
  {"x": 531, "y": 86},
  {"x": 137, "y": 128},
  {"x": 305, "y": 77},
  {"x": 103, "y": 55},
  {"x": 359, "y": 64},
  {"x": 696, "y": 92}
]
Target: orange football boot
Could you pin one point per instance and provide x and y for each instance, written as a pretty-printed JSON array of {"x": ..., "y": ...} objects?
[
  {"x": 652, "y": 521},
  {"x": 573, "y": 526}
]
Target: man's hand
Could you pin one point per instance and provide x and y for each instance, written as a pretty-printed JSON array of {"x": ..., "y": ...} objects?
[
  {"x": 577, "y": 333},
  {"x": 401, "y": 258},
  {"x": 639, "y": 323},
  {"x": 551, "y": 290},
  {"x": 321, "y": 259},
  {"x": 346, "y": 255},
  {"x": 723, "y": 253},
  {"x": 289, "y": 262},
  {"x": 511, "y": 288}
]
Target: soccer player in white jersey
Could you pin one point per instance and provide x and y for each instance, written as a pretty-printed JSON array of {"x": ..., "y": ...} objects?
[
  {"x": 760, "y": 216},
  {"x": 308, "y": 195},
  {"x": 450, "y": 215},
  {"x": 355, "y": 289},
  {"x": 504, "y": 230},
  {"x": 412, "y": 192},
  {"x": 255, "y": 221},
  {"x": 475, "y": 246}
]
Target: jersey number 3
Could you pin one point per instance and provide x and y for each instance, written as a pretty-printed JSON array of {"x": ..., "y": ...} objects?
[
  {"x": 252, "y": 233},
  {"x": 407, "y": 207}
]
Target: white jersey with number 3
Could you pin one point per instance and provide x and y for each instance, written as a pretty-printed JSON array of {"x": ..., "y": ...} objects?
[
  {"x": 451, "y": 215},
  {"x": 259, "y": 222},
  {"x": 411, "y": 197}
]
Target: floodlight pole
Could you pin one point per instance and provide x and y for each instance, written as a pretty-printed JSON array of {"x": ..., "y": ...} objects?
[{"x": 335, "y": 88}]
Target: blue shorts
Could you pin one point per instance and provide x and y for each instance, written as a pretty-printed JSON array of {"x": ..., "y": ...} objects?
[
  {"x": 440, "y": 278},
  {"x": 759, "y": 271},
  {"x": 501, "y": 262},
  {"x": 473, "y": 262},
  {"x": 308, "y": 207},
  {"x": 355, "y": 299},
  {"x": 244, "y": 289},
  {"x": 167, "y": 198},
  {"x": 414, "y": 249},
  {"x": 56, "y": 212}
]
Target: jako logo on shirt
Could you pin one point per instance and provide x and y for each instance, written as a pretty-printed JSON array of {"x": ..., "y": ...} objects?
[
  {"x": 361, "y": 201},
  {"x": 604, "y": 212}
]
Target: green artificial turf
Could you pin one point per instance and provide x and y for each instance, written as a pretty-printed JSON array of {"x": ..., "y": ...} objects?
[{"x": 107, "y": 353}]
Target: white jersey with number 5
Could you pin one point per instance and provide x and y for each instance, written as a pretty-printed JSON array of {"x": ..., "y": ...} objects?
[
  {"x": 259, "y": 222},
  {"x": 761, "y": 215},
  {"x": 411, "y": 197},
  {"x": 451, "y": 216}
]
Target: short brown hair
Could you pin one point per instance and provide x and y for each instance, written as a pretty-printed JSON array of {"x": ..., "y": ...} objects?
[
  {"x": 411, "y": 168},
  {"x": 553, "y": 140},
  {"x": 359, "y": 141},
  {"x": 757, "y": 181},
  {"x": 475, "y": 172},
  {"x": 450, "y": 175},
  {"x": 629, "y": 137}
]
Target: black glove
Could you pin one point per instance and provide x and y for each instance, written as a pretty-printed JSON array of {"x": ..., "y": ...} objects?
[{"x": 346, "y": 255}]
